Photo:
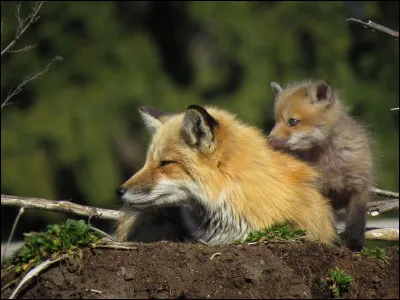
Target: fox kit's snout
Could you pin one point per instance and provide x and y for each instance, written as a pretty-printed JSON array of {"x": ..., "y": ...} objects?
[
  {"x": 224, "y": 177},
  {"x": 311, "y": 123}
]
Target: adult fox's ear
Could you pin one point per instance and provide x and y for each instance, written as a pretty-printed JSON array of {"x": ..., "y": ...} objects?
[
  {"x": 198, "y": 128},
  {"x": 276, "y": 89},
  {"x": 153, "y": 118}
]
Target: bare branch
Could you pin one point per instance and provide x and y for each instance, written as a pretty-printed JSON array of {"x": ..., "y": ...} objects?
[
  {"x": 377, "y": 234},
  {"x": 117, "y": 245},
  {"x": 18, "y": 16},
  {"x": 61, "y": 206},
  {"x": 382, "y": 234},
  {"x": 376, "y": 26},
  {"x": 28, "y": 79},
  {"x": 384, "y": 193},
  {"x": 35, "y": 272},
  {"x": 21, "y": 211},
  {"x": 32, "y": 18},
  {"x": 23, "y": 49},
  {"x": 105, "y": 234},
  {"x": 376, "y": 208}
]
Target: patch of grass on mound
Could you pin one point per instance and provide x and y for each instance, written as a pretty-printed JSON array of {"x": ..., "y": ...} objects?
[
  {"x": 378, "y": 253},
  {"x": 280, "y": 232},
  {"x": 59, "y": 238},
  {"x": 339, "y": 282}
]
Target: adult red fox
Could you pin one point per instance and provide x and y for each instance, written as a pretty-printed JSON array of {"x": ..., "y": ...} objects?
[
  {"x": 225, "y": 178},
  {"x": 312, "y": 123}
]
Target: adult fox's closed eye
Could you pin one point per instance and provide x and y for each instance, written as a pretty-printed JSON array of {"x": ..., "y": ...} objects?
[{"x": 225, "y": 179}]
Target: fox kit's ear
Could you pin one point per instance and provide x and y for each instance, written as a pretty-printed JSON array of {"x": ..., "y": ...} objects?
[
  {"x": 276, "y": 89},
  {"x": 153, "y": 118},
  {"x": 198, "y": 128},
  {"x": 321, "y": 92}
]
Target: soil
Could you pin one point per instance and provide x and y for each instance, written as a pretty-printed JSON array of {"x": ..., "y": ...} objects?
[{"x": 168, "y": 270}]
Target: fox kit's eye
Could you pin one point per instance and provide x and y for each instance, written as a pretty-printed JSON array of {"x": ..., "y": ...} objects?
[
  {"x": 166, "y": 162},
  {"x": 293, "y": 122}
]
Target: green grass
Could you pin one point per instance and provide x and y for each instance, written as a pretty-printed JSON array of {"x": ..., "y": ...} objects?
[
  {"x": 65, "y": 238},
  {"x": 280, "y": 232},
  {"x": 339, "y": 282},
  {"x": 378, "y": 253}
]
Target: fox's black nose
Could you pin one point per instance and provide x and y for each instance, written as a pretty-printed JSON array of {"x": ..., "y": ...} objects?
[{"x": 120, "y": 191}]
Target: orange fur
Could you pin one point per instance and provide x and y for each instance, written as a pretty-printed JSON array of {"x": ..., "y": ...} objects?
[
  {"x": 330, "y": 140},
  {"x": 235, "y": 171}
]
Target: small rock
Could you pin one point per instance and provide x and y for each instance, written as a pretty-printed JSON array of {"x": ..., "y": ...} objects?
[
  {"x": 376, "y": 269},
  {"x": 129, "y": 273},
  {"x": 376, "y": 279},
  {"x": 372, "y": 293}
]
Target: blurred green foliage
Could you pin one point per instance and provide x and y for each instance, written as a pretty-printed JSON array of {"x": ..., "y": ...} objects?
[{"x": 76, "y": 132}]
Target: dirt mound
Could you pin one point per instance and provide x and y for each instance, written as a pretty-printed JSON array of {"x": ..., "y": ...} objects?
[{"x": 183, "y": 270}]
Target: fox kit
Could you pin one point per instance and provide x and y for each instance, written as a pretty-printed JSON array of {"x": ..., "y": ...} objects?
[
  {"x": 225, "y": 178},
  {"x": 312, "y": 123}
]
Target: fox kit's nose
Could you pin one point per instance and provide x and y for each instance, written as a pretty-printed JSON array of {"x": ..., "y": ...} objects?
[
  {"x": 120, "y": 191},
  {"x": 275, "y": 142}
]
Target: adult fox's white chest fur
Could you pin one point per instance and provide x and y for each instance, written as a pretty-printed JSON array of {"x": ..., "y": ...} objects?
[{"x": 225, "y": 177}]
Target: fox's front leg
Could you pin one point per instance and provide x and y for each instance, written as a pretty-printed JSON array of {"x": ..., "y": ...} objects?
[{"x": 354, "y": 234}]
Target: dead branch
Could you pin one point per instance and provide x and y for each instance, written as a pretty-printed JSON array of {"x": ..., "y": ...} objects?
[
  {"x": 385, "y": 193},
  {"x": 28, "y": 79},
  {"x": 376, "y": 26},
  {"x": 21, "y": 211},
  {"x": 374, "y": 207},
  {"x": 116, "y": 245},
  {"x": 105, "y": 234},
  {"x": 384, "y": 206},
  {"x": 35, "y": 272},
  {"x": 23, "y": 49},
  {"x": 61, "y": 206},
  {"x": 23, "y": 25},
  {"x": 382, "y": 234},
  {"x": 377, "y": 234}
]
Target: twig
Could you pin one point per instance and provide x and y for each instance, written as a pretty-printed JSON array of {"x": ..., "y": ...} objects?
[
  {"x": 23, "y": 49},
  {"x": 394, "y": 108},
  {"x": 102, "y": 233},
  {"x": 61, "y": 206},
  {"x": 376, "y": 26},
  {"x": 385, "y": 193},
  {"x": 94, "y": 291},
  {"x": 9, "y": 284},
  {"x": 382, "y": 234},
  {"x": 376, "y": 208},
  {"x": 29, "y": 78},
  {"x": 214, "y": 255},
  {"x": 21, "y": 211},
  {"x": 118, "y": 246},
  {"x": 7, "y": 271},
  {"x": 20, "y": 31},
  {"x": 34, "y": 272},
  {"x": 377, "y": 234}
]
